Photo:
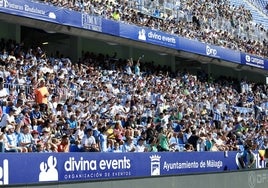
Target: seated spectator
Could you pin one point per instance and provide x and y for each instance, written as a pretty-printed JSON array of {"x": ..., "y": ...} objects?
[
  {"x": 11, "y": 143},
  {"x": 117, "y": 148},
  {"x": 88, "y": 140},
  {"x": 64, "y": 145},
  {"x": 128, "y": 145},
  {"x": 25, "y": 139},
  {"x": 141, "y": 147}
]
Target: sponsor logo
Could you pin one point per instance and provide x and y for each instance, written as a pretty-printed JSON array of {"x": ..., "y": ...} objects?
[
  {"x": 91, "y": 22},
  {"x": 29, "y": 8},
  {"x": 253, "y": 61},
  {"x": 247, "y": 58},
  {"x": 3, "y": 3},
  {"x": 211, "y": 51},
  {"x": 82, "y": 168},
  {"x": 4, "y": 173},
  {"x": 142, "y": 35},
  {"x": 256, "y": 178},
  {"x": 155, "y": 165},
  {"x": 251, "y": 179},
  {"x": 48, "y": 170}
]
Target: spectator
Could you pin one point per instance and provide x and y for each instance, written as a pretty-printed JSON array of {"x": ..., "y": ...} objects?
[
  {"x": 141, "y": 147},
  {"x": 64, "y": 145},
  {"x": 129, "y": 146},
  {"x": 25, "y": 139},
  {"x": 163, "y": 140},
  {"x": 11, "y": 143},
  {"x": 41, "y": 93},
  {"x": 88, "y": 140},
  {"x": 117, "y": 148}
]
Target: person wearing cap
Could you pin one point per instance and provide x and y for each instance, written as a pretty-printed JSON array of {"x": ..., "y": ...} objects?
[
  {"x": 11, "y": 137},
  {"x": 25, "y": 139},
  {"x": 46, "y": 135}
]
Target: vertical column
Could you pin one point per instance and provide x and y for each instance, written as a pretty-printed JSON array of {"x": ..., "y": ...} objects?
[
  {"x": 16, "y": 29},
  {"x": 75, "y": 48}
]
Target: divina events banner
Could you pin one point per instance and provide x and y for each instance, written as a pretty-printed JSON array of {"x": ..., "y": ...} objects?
[
  {"x": 27, "y": 168},
  {"x": 147, "y": 35}
]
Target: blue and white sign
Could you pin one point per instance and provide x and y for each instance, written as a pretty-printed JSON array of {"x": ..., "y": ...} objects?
[
  {"x": 54, "y": 167},
  {"x": 197, "y": 47},
  {"x": 30, "y": 9},
  {"x": 148, "y": 35},
  {"x": 252, "y": 60}
]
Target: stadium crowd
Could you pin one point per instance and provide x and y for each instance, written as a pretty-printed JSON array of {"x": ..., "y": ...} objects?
[
  {"x": 106, "y": 104},
  {"x": 215, "y": 22}
]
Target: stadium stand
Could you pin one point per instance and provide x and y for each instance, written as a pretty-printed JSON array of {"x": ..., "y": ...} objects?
[
  {"x": 215, "y": 22},
  {"x": 110, "y": 104},
  {"x": 261, "y": 5},
  {"x": 107, "y": 104},
  {"x": 256, "y": 8}
]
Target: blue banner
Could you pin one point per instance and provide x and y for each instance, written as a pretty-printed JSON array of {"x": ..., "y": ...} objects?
[
  {"x": 110, "y": 27},
  {"x": 33, "y": 10},
  {"x": 26, "y": 168},
  {"x": 208, "y": 50},
  {"x": 251, "y": 60},
  {"x": 148, "y": 35},
  {"x": 49, "y": 13}
]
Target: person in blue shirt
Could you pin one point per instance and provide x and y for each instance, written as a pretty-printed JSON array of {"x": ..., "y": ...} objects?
[{"x": 72, "y": 121}]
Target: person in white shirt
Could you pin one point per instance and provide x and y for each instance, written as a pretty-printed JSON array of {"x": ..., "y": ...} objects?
[
  {"x": 52, "y": 104},
  {"x": 88, "y": 140},
  {"x": 8, "y": 118},
  {"x": 4, "y": 92},
  {"x": 117, "y": 148},
  {"x": 140, "y": 146},
  {"x": 80, "y": 133},
  {"x": 129, "y": 146}
]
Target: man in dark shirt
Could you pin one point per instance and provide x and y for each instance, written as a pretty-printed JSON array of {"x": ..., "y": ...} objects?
[{"x": 193, "y": 139}]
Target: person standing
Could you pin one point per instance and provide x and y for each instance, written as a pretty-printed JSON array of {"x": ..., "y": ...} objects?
[{"x": 41, "y": 93}]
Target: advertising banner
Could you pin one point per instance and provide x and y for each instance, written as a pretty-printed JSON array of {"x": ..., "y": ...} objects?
[
  {"x": 48, "y": 167},
  {"x": 148, "y": 35},
  {"x": 254, "y": 61},
  {"x": 218, "y": 52},
  {"x": 49, "y": 13},
  {"x": 33, "y": 10}
]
